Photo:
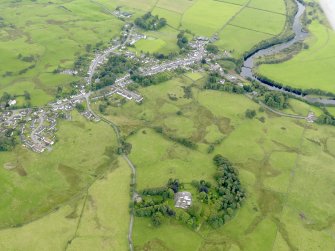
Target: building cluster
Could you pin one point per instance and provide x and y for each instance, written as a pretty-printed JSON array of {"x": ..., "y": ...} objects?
[
  {"x": 121, "y": 14},
  {"x": 183, "y": 200},
  {"x": 38, "y": 133},
  {"x": 37, "y": 127}
]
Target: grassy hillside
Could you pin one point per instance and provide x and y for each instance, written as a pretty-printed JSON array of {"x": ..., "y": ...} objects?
[
  {"x": 54, "y": 34},
  {"x": 275, "y": 159}
]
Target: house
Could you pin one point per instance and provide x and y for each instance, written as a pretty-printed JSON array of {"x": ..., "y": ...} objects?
[
  {"x": 183, "y": 200},
  {"x": 11, "y": 102}
]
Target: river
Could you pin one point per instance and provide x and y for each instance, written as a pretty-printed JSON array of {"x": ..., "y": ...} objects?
[{"x": 300, "y": 35}]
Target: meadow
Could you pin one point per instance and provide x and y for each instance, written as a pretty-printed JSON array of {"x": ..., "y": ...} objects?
[
  {"x": 94, "y": 221},
  {"x": 40, "y": 182},
  {"x": 276, "y": 159},
  {"x": 55, "y": 34},
  {"x": 60, "y": 32},
  {"x": 313, "y": 67}
]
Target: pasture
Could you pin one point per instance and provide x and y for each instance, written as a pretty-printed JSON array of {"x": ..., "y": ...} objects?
[
  {"x": 54, "y": 34},
  {"x": 312, "y": 68},
  {"x": 41, "y": 182},
  {"x": 95, "y": 220},
  {"x": 275, "y": 158}
]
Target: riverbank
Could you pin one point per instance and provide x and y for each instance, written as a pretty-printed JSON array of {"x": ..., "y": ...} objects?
[{"x": 328, "y": 7}]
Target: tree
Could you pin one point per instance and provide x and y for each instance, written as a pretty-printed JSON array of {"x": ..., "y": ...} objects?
[
  {"x": 156, "y": 219},
  {"x": 26, "y": 95},
  {"x": 80, "y": 107},
  {"x": 212, "y": 48},
  {"x": 250, "y": 113}
]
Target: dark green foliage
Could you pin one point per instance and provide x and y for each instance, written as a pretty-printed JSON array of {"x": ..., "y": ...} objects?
[
  {"x": 80, "y": 107},
  {"x": 81, "y": 62},
  {"x": 151, "y": 80},
  {"x": 212, "y": 48},
  {"x": 173, "y": 184},
  {"x": 182, "y": 40},
  {"x": 213, "y": 83},
  {"x": 326, "y": 119},
  {"x": 188, "y": 92},
  {"x": 183, "y": 141},
  {"x": 275, "y": 100},
  {"x": 116, "y": 65},
  {"x": 150, "y": 22},
  {"x": 250, "y": 113},
  {"x": 26, "y": 95},
  {"x": 8, "y": 140}
]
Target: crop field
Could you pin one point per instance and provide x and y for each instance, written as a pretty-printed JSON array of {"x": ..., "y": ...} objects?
[
  {"x": 313, "y": 67},
  {"x": 275, "y": 159},
  {"x": 54, "y": 34}
]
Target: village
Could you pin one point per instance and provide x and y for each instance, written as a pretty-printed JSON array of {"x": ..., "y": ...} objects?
[{"x": 37, "y": 127}]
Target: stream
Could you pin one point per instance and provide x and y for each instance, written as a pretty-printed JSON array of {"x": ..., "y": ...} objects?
[{"x": 300, "y": 35}]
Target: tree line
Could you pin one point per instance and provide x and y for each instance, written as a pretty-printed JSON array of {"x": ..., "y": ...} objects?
[{"x": 150, "y": 22}]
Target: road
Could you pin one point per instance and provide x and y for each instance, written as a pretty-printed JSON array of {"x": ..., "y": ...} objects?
[{"x": 130, "y": 164}]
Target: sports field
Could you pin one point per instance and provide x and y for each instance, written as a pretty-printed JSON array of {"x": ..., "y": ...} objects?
[{"x": 275, "y": 159}]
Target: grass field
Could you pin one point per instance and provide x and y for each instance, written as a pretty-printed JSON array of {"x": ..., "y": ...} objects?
[
  {"x": 206, "y": 16},
  {"x": 257, "y": 20},
  {"x": 55, "y": 34},
  {"x": 41, "y": 182},
  {"x": 311, "y": 68},
  {"x": 275, "y": 159},
  {"x": 96, "y": 221}
]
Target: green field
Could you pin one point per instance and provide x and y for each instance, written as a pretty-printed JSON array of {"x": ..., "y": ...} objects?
[
  {"x": 275, "y": 159},
  {"x": 310, "y": 69},
  {"x": 206, "y": 17},
  {"x": 96, "y": 221},
  {"x": 40, "y": 182},
  {"x": 55, "y": 34},
  {"x": 257, "y": 20}
]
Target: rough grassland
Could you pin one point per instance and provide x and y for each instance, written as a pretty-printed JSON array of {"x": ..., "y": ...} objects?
[
  {"x": 102, "y": 223},
  {"x": 43, "y": 181},
  {"x": 206, "y": 16},
  {"x": 55, "y": 33},
  {"x": 312, "y": 68},
  {"x": 275, "y": 159}
]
